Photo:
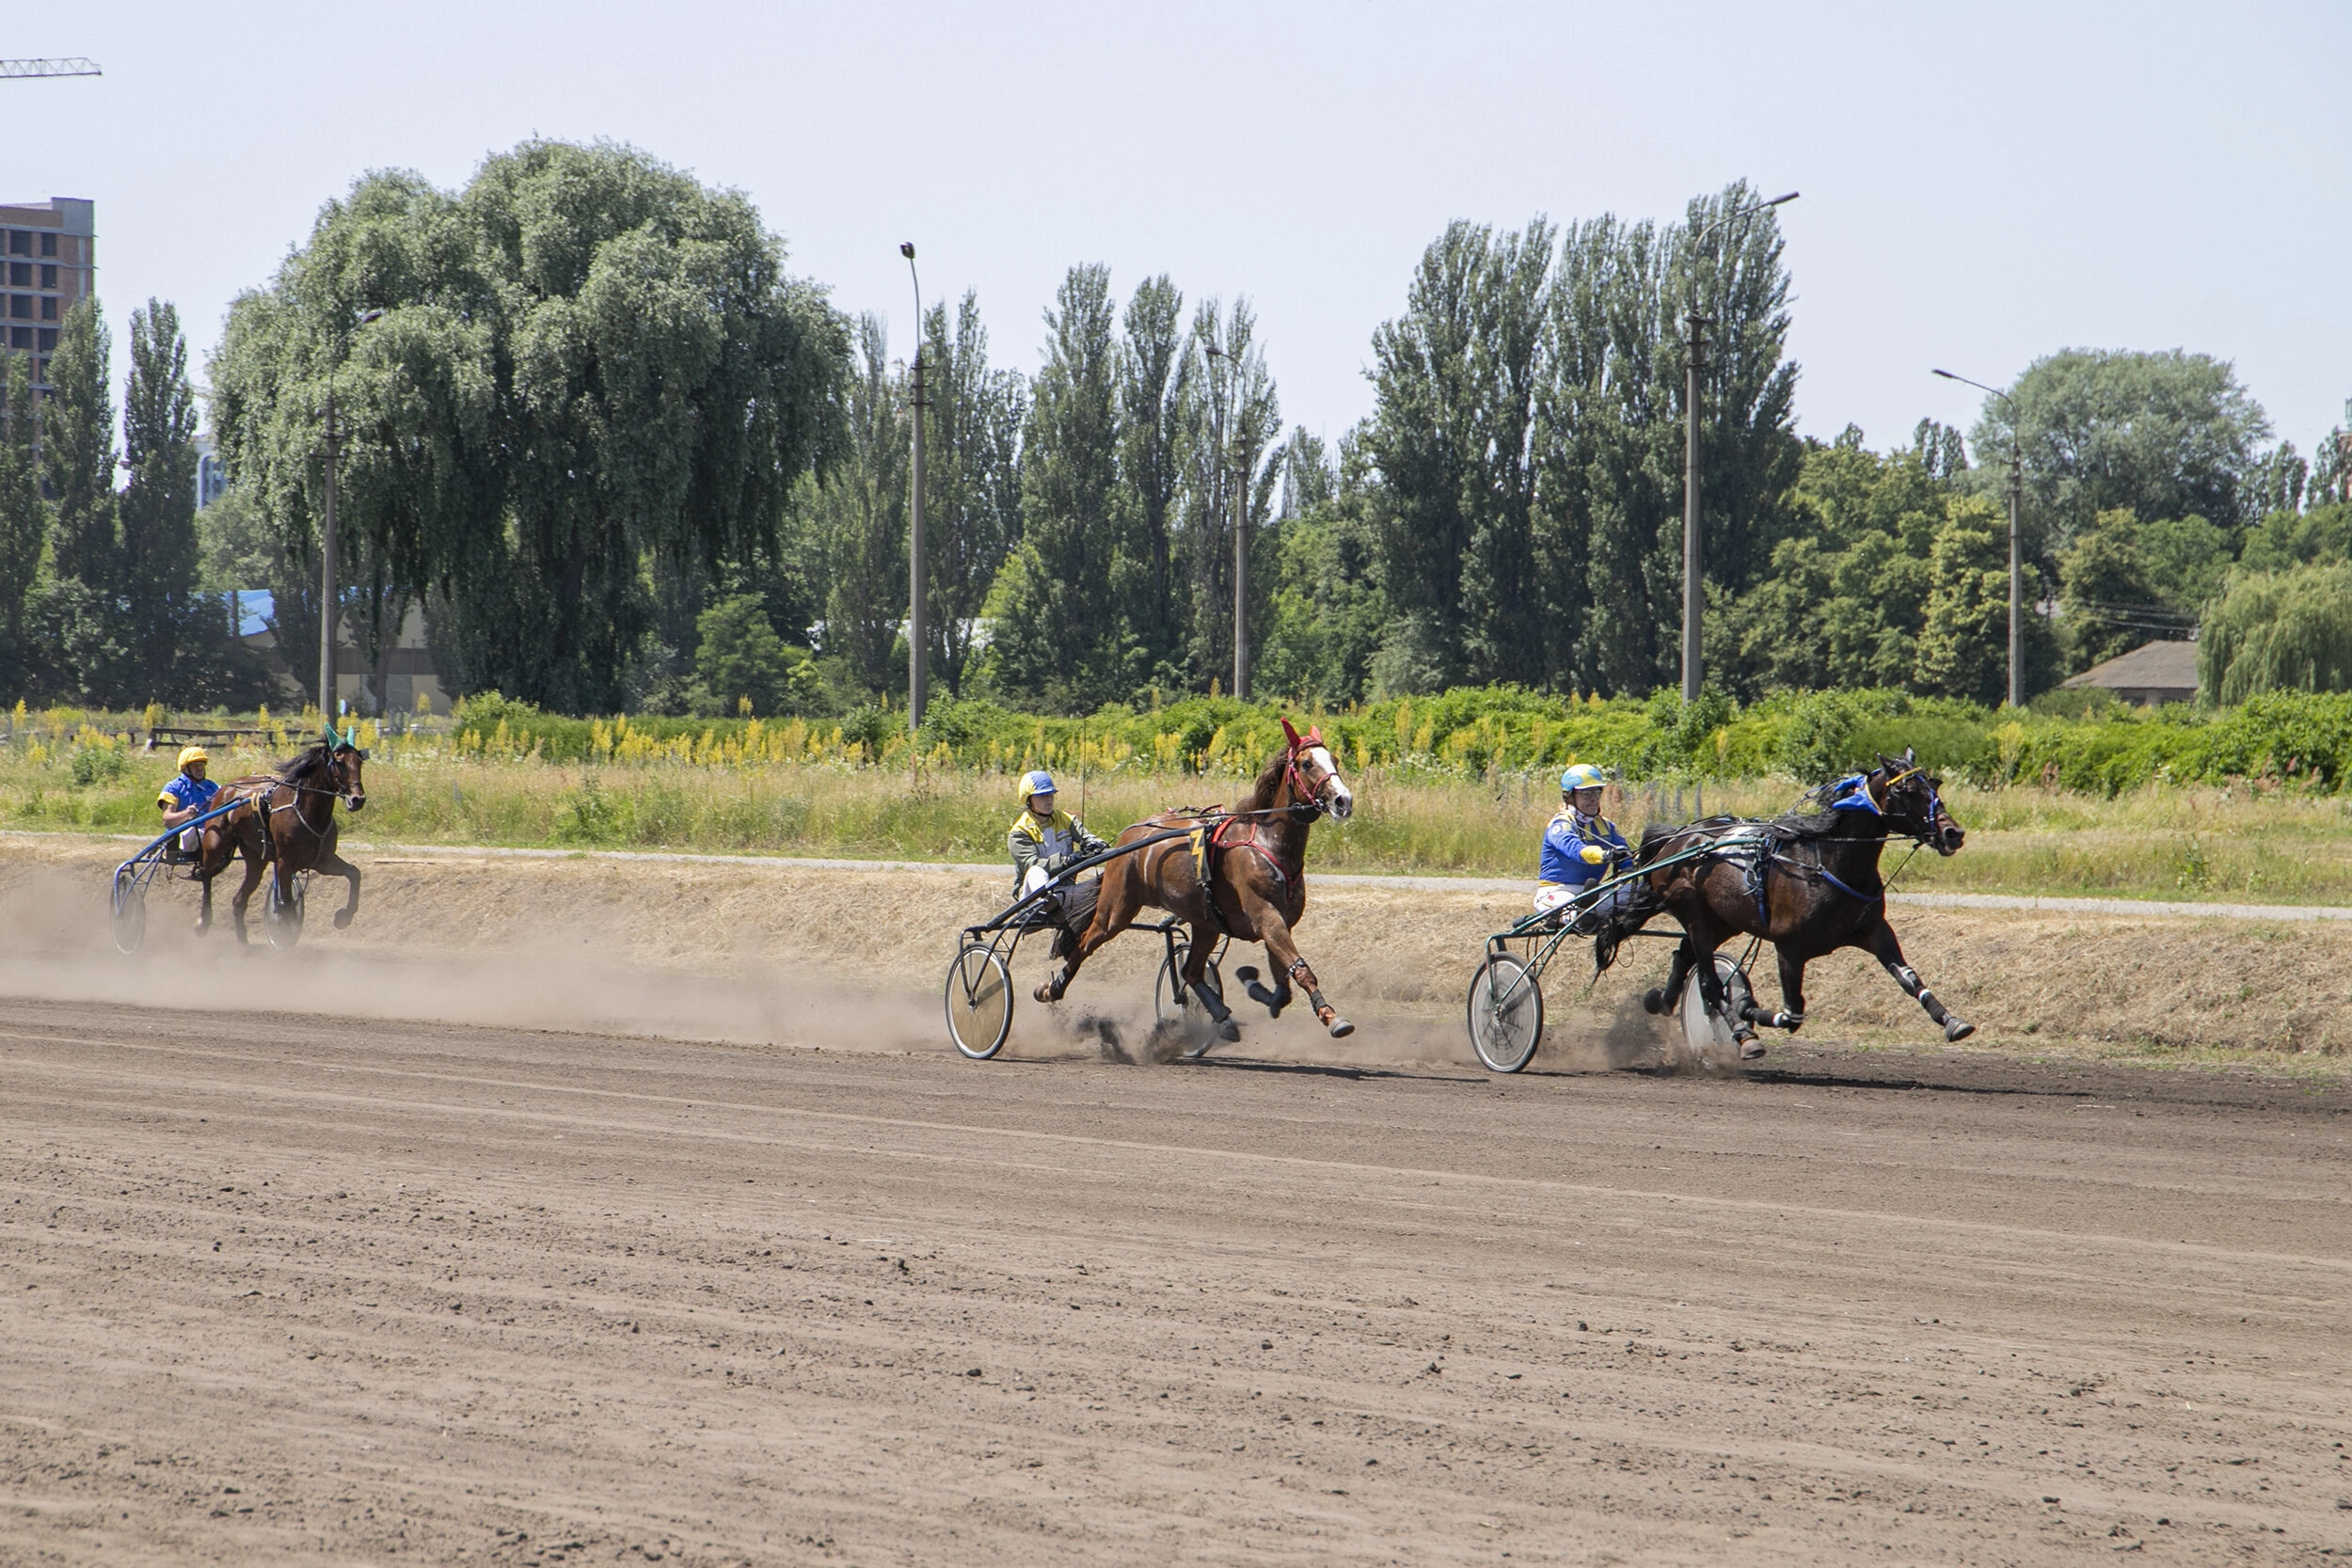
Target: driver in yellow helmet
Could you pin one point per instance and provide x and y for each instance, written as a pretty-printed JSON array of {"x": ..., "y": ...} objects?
[
  {"x": 187, "y": 796},
  {"x": 1045, "y": 839}
]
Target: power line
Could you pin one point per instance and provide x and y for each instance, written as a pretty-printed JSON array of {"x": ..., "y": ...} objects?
[{"x": 73, "y": 67}]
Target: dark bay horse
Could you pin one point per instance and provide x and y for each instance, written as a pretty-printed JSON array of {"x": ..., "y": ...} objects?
[
  {"x": 291, "y": 827},
  {"x": 1257, "y": 885},
  {"x": 221, "y": 841},
  {"x": 1808, "y": 884}
]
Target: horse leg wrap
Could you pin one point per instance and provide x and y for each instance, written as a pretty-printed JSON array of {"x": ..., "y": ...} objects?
[
  {"x": 1329, "y": 1016},
  {"x": 1272, "y": 1000},
  {"x": 1220, "y": 1013},
  {"x": 1754, "y": 1014}
]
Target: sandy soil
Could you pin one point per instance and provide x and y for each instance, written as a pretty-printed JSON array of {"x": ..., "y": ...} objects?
[
  {"x": 632, "y": 945},
  {"x": 319, "y": 1285},
  {"x": 583, "y": 1211}
]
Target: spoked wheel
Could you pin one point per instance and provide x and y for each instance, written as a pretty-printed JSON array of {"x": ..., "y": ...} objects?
[
  {"x": 979, "y": 1003},
  {"x": 1506, "y": 1013},
  {"x": 1711, "y": 1036},
  {"x": 1169, "y": 999},
  {"x": 281, "y": 919},
  {"x": 129, "y": 912}
]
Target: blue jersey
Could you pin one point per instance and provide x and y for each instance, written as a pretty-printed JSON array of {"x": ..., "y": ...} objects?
[
  {"x": 183, "y": 793},
  {"x": 1566, "y": 842}
]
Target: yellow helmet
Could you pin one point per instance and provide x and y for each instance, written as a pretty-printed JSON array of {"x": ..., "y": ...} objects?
[{"x": 192, "y": 754}]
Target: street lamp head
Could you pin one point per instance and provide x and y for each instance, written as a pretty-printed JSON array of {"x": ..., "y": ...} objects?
[
  {"x": 366, "y": 316},
  {"x": 1778, "y": 200},
  {"x": 1945, "y": 375},
  {"x": 906, "y": 249}
]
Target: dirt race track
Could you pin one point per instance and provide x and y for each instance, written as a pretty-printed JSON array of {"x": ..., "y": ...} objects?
[
  {"x": 741, "y": 1265},
  {"x": 274, "y": 1287}
]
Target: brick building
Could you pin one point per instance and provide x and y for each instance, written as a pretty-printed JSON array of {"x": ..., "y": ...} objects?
[{"x": 48, "y": 261}]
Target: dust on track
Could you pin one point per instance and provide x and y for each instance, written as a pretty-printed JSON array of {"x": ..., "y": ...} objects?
[{"x": 283, "y": 1285}]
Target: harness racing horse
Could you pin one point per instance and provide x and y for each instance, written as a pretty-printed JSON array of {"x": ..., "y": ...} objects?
[
  {"x": 295, "y": 808},
  {"x": 1255, "y": 857},
  {"x": 1808, "y": 884},
  {"x": 223, "y": 840}
]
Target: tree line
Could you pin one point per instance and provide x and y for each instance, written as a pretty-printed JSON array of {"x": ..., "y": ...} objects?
[{"x": 621, "y": 458}]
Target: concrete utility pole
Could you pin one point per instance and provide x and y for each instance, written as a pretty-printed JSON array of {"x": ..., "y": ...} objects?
[
  {"x": 1693, "y": 555},
  {"x": 1241, "y": 523},
  {"x": 1241, "y": 576},
  {"x": 329, "y": 608},
  {"x": 2016, "y": 567},
  {"x": 918, "y": 576},
  {"x": 326, "y": 574}
]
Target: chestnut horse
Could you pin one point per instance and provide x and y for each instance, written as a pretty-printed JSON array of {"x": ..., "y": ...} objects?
[
  {"x": 291, "y": 824},
  {"x": 1808, "y": 884},
  {"x": 1256, "y": 855}
]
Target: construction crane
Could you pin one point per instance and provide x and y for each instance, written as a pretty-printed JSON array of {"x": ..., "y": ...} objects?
[{"x": 74, "y": 67}]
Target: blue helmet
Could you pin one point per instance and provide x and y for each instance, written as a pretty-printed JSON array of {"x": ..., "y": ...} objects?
[
  {"x": 1583, "y": 775},
  {"x": 1037, "y": 782}
]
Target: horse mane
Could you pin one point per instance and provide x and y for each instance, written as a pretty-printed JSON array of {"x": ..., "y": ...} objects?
[
  {"x": 1260, "y": 796},
  {"x": 305, "y": 762},
  {"x": 1656, "y": 834}
]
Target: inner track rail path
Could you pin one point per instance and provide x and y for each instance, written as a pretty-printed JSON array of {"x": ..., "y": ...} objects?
[{"x": 277, "y": 1286}]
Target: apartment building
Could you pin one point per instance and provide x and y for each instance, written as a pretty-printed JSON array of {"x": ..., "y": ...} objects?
[{"x": 48, "y": 260}]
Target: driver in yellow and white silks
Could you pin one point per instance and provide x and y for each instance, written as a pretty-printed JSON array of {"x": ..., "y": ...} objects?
[
  {"x": 1581, "y": 847},
  {"x": 1045, "y": 839}
]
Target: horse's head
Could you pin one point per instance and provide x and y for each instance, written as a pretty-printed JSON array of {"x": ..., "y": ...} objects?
[
  {"x": 345, "y": 766},
  {"x": 1908, "y": 796},
  {"x": 1313, "y": 775}
]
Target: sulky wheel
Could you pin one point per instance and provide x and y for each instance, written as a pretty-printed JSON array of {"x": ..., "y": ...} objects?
[
  {"x": 1709, "y": 1038},
  {"x": 129, "y": 912},
  {"x": 1170, "y": 1000},
  {"x": 281, "y": 919},
  {"x": 979, "y": 1003},
  {"x": 1506, "y": 1013}
]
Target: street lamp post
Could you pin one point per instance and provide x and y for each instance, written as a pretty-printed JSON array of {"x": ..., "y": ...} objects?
[
  {"x": 2016, "y": 569},
  {"x": 328, "y": 607},
  {"x": 1240, "y": 539},
  {"x": 918, "y": 694},
  {"x": 1694, "y": 558}
]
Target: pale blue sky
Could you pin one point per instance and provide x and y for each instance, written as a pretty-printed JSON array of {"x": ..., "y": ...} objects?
[{"x": 1983, "y": 184}]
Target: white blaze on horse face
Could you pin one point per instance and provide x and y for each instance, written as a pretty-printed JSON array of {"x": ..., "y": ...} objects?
[{"x": 1342, "y": 800}]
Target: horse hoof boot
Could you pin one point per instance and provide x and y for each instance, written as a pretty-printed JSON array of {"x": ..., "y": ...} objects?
[
  {"x": 1654, "y": 1000},
  {"x": 1955, "y": 1030},
  {"x": 1751, "y": 1050},
  {"x": 1228, "y": 1030},
  {"x": 1045, "y": 992},
  {"x": 1341, "y": 1028},
  {"x": 342, "y": 920}
]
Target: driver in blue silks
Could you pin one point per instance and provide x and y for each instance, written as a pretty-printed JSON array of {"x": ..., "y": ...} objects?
[
  {"x": 1582, "y": 847},
  {"x": 186, "y": 796}
]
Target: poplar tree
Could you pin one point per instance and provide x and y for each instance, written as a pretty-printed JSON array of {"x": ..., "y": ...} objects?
[
  {"x": 171, "y": 630},
  {"x": 1056, "y": 621},
  {"x": 972, "y": 505},
  {"x": 77, "y": 450},
  {"x": 24, "y": 516}
]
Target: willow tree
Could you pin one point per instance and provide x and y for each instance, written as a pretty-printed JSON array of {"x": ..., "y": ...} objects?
[{"x": 589, "y": 370}]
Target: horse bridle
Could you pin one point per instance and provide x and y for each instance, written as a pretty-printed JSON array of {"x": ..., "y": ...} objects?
[
  {"x": 1310, "y": 802},
  {"x": 299, "y": 790},
  {"x": 1925, "y": 834}
]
